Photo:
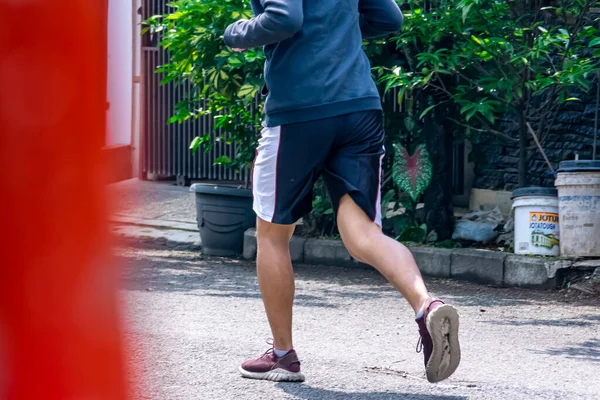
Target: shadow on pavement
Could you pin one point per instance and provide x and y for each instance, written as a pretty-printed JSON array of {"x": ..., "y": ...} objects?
[
  {"x": 302, "y": 391},
  {"x": 586, "y": 351},
  {"x": 166, "y": 269},
  {"x": 581, "y": 320}
]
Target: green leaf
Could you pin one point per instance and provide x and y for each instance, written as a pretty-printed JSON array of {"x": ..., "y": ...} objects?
[
  {"x": 477, "y": 40},
  {"x": 465, "y": 11},
  {"x": 594, "y": 42},
  {"x": 427, "y": 78},
  {"x": 411, "y": 173},
  {"x": 247, "y": 90},
  {"x": 195, "y": 144},
  {"x": 471, "y": 113},
  {"x": 427, "y": 110},
  {"x": 222, "y": 160},
  {"x": 414, "y": 234},
  {"x": 235, "y": 62},
  {"x": 519, "y": 91},
  {"x": 175, "y": 15}
]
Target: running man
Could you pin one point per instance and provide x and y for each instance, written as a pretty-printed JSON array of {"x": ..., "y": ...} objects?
[{"x": 324, "y": 117}]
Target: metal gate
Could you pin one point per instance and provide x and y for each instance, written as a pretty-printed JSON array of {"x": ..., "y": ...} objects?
[{"x": 165, "y": 147}]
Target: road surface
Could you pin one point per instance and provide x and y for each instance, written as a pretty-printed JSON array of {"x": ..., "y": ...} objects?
[{"x": 191, "y": 320}]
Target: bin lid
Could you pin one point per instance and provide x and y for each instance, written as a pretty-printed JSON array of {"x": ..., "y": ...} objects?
[
  {"x": 535, "y": 191},
  {"x": 579, "y": 165},
  {"x": 224, "y": 190}
]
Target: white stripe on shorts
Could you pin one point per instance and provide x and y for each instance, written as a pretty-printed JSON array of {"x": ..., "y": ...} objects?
[
  {"x": 264, "y": 175},
  {"x": 378, "y": 216}
]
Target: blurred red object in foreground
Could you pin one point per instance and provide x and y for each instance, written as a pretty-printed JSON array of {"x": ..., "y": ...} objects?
[{"x": 59, "y": 327}]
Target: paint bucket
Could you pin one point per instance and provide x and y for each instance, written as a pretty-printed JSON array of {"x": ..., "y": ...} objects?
[
  {"x": 578, "y": 184},
  {"x": 537, "y": 228}
]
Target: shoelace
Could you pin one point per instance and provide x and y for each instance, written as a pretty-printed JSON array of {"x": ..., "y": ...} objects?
[
  {"x": 419, "y": 347},
  {"x": 267, "y": 353},
  {"x": 419, "y": 344},
  {"x": 271, "y": 350}
]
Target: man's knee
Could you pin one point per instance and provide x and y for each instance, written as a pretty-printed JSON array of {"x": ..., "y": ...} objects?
[
  {"x": 269, "y": 241},
  {"x": 272, "y": 235}
]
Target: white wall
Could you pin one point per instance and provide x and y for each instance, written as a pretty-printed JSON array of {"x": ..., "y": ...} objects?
[
  {"x": 120, "y": 43},
  {"x": 137, "y": 52}
]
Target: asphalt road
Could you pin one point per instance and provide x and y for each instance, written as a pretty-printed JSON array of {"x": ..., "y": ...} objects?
[{"x": 191, "y": 320}]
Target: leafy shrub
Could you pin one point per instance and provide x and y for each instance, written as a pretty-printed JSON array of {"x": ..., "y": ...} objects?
[{"x": 498, "y": 58}]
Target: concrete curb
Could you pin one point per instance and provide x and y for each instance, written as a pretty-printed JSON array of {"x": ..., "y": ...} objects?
[
  {"x": 480, "y": 266},
  {"x": 297, "y": 245}
]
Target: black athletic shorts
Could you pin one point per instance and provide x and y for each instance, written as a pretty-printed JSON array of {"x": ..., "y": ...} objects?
[{"x": 347, "y": 150}]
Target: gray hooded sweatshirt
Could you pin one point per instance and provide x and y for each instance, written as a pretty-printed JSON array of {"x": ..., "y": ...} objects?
[{"x": 315, "y": 65}]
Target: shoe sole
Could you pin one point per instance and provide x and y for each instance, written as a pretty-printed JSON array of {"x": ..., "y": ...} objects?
[
  {"x": 442, "y": 324},
  {"x": 276, "y": 375}
]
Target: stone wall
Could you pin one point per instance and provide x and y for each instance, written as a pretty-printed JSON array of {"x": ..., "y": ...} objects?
[{"x": 572, "y": 133}]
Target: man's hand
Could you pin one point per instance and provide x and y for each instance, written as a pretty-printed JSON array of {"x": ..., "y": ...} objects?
[{"x": 238, "y": 50}]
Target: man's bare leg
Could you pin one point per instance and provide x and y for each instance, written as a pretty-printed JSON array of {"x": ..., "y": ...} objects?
[
  {"x": 366, "y": 243},
  {"x": 438, "y": 322},
  {"x": 276, "y": 279}
]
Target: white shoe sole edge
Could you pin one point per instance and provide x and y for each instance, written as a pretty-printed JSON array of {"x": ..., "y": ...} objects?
[
  {"x": 442, "y": 324},
  {"x": 276, "y": 375}
]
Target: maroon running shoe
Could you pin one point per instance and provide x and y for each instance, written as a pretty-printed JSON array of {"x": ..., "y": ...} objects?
[
  {"x": 438, "y": 327},
  {"x": 273, "y": 368}
]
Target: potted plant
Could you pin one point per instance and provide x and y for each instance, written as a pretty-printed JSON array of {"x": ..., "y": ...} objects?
[{"x": 223, "y": 84}]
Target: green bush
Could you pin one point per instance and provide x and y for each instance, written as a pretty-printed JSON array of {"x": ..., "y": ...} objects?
[{"x": 497, "y": 59}]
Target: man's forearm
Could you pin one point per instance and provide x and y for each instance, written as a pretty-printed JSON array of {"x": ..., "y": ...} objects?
[{"x": 280, "y": 20}]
